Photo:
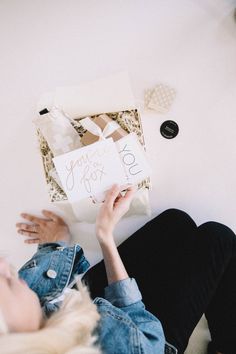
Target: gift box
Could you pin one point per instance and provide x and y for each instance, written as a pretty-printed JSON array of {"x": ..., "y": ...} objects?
[
  {"x": 128, "y": 120},
  {"x": 101, "y": 127}
]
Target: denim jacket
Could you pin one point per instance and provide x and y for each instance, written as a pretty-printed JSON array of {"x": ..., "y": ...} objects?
[{"x": 125, "y": 326}]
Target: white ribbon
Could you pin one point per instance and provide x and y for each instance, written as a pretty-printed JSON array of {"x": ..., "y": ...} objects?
[{"x": 93, "y": 128}]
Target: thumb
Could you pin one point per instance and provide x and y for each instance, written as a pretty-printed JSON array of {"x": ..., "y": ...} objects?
[
  {"x": 127, "y": 198},
  {"x": 130, "y": 192},
  {"x": 112, "y": 195}
]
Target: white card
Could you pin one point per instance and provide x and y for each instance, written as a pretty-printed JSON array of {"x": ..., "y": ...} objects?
[
  {"x": 90, "y": 170},
  {"x": 133, "y": 158}
]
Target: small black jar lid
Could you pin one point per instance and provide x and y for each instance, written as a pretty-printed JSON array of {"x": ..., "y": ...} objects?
[{"x": 169, "y": 129}]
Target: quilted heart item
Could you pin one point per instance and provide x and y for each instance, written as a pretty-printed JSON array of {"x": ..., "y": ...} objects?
[{"x": 161, "y": 98}]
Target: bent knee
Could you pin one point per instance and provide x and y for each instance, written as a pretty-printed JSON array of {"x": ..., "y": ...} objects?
[
  {"x": 216, "y": 226},
  {"x": 175, "y": 213},
  {"x": 177, "y": 216},
  {"x": 216, "y": 230}
]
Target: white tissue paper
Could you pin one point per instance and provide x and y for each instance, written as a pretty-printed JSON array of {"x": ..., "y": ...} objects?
[{"x": 110, "y": 94}]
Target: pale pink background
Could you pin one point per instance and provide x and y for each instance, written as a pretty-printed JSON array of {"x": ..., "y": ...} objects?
[{"x": 189, "y": 44}]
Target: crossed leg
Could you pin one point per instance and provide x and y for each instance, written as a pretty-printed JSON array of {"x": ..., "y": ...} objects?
[{"x": 183, "y": 271}]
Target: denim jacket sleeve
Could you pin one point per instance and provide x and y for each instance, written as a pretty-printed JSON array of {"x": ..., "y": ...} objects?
[
  {"x": 126, "y": 296},
  {"x": 52, "y": 268},
  {"x": 123, "y": 293}
]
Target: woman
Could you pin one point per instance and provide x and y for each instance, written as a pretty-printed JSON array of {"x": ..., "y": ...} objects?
[{"x": 182, "y": 270}]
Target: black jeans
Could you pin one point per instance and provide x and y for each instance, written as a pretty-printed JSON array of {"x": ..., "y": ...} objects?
[{"x": 182, "y": 271}]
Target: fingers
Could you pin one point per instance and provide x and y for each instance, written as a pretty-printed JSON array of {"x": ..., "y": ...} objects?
[
  {"x": 112, "y": 195},
  {"x": 32, "y": 218},
  {"x": 118, "y": 198},
  {"x": 32, "y": 236},
  {"x": 32, "y": 240},
  {"x": 29, "y": 230},
  {"x": 115, "y": 197},
  {"x": 27, "y": 233},
  {"x": 49, "y": 214},
  {"x": 27, "y": 227},
  {"x": 36, "y": 220},
  {"x": 125, "y": 201},
  {"x": 130, "y": 193}
]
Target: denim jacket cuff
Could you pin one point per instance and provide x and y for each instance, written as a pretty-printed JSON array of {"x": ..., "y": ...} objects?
[
  {"x": 53, "y": 244},
  {"x": 123, "y": 293}
]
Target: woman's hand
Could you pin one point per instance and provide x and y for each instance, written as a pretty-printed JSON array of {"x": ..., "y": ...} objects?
[
  {"x": 51, "y": 229},
  {"x": 112, "y": 210}
]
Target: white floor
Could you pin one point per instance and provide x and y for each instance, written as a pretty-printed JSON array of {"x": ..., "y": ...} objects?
[{"x": 188, "y": 44}]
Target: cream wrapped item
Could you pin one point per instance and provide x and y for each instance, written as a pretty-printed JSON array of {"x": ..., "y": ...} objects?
[{"x": 57, "y": 130}]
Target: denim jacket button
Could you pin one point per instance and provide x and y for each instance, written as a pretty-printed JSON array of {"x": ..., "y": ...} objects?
[
  {"x": 51, "y": 273},
  {"x": 60, "y": 248}
]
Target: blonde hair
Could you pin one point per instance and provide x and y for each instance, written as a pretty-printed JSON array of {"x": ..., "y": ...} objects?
[
  {"x": 3, "y": 325},
  {"x": 69, "y": 330}
]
